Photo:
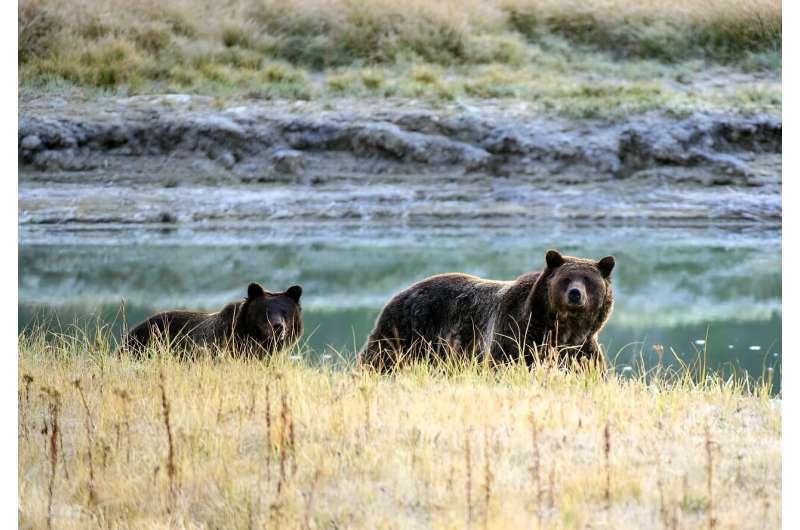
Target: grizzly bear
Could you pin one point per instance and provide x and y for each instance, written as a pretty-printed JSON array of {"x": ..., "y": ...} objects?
[
  {"x": 564, "y": 306},
  {"x": 261, "y": 324}
]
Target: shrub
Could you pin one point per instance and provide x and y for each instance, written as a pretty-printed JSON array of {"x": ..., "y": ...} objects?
[{"x": 37, "y": 29}]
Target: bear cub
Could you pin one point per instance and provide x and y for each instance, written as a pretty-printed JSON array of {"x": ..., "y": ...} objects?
[
  {"x": 564, "y": 306},
  {"x": 261, "y": 324}
]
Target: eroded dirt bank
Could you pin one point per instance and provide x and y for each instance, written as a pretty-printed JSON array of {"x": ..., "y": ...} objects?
[{"x": 185, "y": 158}]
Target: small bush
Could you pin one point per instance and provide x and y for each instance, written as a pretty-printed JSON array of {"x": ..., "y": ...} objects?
[
  {"x": 116, "y": 62},
  {"x": 153, "y": 38},
  {"x": 492, "y": 82},
  {"x": 236, "y": 36},
  {"x": 239, "y": 58},
  {"x": 425, "y": 74},
  {"x": 179, "y": 23},
  {"x": 504, "y": 49},
  {"x": 372, "y": 79},
  {"x": 276, "y": 72},
  {"x": 341, "y": 82},
  {"x": 37, "y": 30},
  {"x": 94, "y": 28}
]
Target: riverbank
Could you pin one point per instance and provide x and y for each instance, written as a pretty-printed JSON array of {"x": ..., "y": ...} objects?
[
  {"x": 283, "y": 443},
  {"x": 371, "y": 160}
]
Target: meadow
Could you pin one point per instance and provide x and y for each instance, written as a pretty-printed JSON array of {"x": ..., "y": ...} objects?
[
  {"x": 110, "y": 442},
  {"x": 309, "y": 439},
  {"x": 622, "y": 55}
]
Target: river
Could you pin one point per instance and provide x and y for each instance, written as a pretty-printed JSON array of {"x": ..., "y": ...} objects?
[{"x": 713, "y": 289}]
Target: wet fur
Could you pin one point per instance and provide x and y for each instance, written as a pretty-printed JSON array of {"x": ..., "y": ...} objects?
[{"x": 466, "y": 315}]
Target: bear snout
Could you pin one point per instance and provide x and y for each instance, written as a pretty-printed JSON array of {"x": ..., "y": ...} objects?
[
  {"x": 278, "y": 328},
  {"x": 576, "y": 297}
]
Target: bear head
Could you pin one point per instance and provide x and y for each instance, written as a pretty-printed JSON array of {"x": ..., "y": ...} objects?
[
  {"x": 578, "y": 288},
  {"x": 273, "y": 320}
]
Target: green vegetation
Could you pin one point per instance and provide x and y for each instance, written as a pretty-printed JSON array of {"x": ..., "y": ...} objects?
[
  {"x": 220, "y": 442},
  {"x": 636, "y": 56}
]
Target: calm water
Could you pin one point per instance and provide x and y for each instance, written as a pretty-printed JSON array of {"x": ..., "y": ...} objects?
[{"x": 677, "y": 286}]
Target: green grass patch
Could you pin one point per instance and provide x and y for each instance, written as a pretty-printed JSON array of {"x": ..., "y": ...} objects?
[{"x": 582, "y": 60}]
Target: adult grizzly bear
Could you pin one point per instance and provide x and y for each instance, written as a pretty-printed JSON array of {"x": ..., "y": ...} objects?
[
  {"x": 261, "y": 324},
  {"x": 565, "y": 305}
]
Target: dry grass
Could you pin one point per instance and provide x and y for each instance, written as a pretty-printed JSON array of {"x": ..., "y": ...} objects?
[
  {"x": 240, "y": 444},
  {"x": 274, "y": 49}
]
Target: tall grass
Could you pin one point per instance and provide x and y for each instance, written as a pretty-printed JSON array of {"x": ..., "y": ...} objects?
[
  {"x": 425, "y": 446},
  {"x": 275, "y": 46},
  {"x": 719, "y": 30}
]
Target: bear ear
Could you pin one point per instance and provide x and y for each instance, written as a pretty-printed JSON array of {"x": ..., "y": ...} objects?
[
  {"x": 254, "y": 291},
  {"x": 606, "y": 265},
  {"x": 294, "y": 292},
  {"x": 554, "y": 259}
]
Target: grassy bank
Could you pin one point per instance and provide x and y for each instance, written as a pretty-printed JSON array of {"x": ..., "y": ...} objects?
[
  {"x": 619, "y": 53},
  {"x": 237, "y": 444}
]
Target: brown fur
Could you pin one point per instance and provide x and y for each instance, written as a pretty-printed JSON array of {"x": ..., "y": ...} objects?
[
  {"x": 460, "y": 314},
  {"x": 261, "y": 324}
]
